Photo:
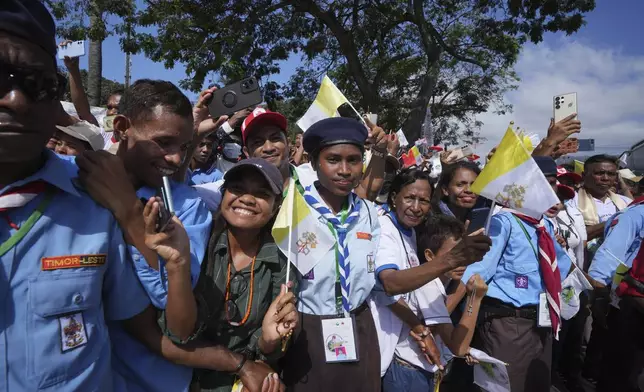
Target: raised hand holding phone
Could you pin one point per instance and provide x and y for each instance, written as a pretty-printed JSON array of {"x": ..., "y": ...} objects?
[
  {"x": 172, "y": 244},
  {"x": 71, "y": 49}
]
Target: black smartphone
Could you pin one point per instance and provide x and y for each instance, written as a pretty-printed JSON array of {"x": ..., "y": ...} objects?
[
  {"x": 166, "y": 207},
  {"x": 478, "y": 217},
  {"x": 235, "y": 97}
]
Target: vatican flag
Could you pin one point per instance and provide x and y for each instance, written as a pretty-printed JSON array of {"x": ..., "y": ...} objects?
[
  {"x": 330, "y": 102},
  {"x": 512, "y": 178}
]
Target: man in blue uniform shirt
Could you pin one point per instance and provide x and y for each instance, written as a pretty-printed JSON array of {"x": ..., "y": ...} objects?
[
  {"x": 622, "y": 245},
  {"x": 155, "y": 127},
  {"x": 517, "y": 277},
  {"x": 64, "y": 271}
]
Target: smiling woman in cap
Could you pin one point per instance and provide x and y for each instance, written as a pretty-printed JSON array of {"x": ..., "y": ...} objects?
[
  {"x": 241, "y": 294},
  {"x": 339, "y": 283}
]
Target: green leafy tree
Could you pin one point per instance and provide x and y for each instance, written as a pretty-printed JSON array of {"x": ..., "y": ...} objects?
[
  {"x": 392, "y": 57},
  {"x": 72, "y": 17}
]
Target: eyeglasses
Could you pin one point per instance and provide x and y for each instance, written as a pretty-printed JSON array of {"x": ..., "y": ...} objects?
[
  {"x": 38, "y": 85},
  {"x": 238, "y": 286}
]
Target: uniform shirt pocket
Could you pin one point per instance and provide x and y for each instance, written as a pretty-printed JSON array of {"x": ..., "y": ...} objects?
[
  {"x": 520, "y": 259},
  {"x": 66, "y": 328}
]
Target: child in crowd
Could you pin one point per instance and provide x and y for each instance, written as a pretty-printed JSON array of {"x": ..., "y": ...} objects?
[{"x": 410, "y": 368}]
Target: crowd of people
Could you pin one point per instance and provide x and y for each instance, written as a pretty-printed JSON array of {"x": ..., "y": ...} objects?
[{"x": 98, "y": 296}]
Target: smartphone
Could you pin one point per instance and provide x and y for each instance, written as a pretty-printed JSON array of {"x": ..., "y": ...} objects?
[
  {"x": 478, "y": 217},
  {"x": 564, "y": 105},
  {"x": 235, "y": 97},
  {"x": 72, "y": 49},
  {"x": 166, "y": 208}
]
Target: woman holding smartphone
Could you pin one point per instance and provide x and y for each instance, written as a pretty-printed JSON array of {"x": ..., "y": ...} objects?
[{"x": 241, "y": 300}]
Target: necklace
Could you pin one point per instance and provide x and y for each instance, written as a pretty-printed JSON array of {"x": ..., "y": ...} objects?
[{"x": 250, "y": 296}]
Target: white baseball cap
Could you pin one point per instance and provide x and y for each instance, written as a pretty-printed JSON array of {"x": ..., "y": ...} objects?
[
  {"x": 627, "y": 174},
  {"x": 86, "y": 132}
]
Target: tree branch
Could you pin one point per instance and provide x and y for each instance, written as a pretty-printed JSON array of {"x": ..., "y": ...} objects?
[
  {"x": 380, "y": 73},
  {"x": 347, "y": 48},
  {"x": 427, "y": 28}
]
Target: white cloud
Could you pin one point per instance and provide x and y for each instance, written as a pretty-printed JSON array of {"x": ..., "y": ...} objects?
[{"x": 610, "y": 94}]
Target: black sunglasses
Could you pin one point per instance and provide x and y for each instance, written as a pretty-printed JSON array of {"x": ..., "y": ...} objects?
[{"x": 38, "y": 85}]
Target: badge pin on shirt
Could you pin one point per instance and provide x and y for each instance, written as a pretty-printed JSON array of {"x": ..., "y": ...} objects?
[{"x": 72, "y": 331}]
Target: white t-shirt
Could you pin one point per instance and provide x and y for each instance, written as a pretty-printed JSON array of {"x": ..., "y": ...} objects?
[
  {"x": 428, "y": 302},
  {"x": 605, "y": 209},
  {"x": 398, "y": 251}
]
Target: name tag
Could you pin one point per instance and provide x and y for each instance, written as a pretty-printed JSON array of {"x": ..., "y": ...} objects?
[
  {"x": 544, "y": 312},
  {"x": 339, "y": 340},
  {"x": 72, "y": 261},
  {"x": 364, "y": 236}
]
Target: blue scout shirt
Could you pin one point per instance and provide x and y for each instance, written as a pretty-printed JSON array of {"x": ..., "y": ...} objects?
[
  {"x": 199, "y": 176},
  {"x": 511, "y": 267},
  {"x": 621, "y": 244},
  {"x": 317, "y": 288},
  {"x": 53, "y": 316},
  {"x": 136, "y": 367}
]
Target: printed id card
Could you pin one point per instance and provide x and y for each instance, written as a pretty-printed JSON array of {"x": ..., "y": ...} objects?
[
  {"x": 338, "y": 336},
  {"x": 544, "y": 312}
]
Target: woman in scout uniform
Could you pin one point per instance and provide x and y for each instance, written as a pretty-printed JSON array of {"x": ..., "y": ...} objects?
[
  {"x": 242, "y": 301},
  {"x": 336, "y": 344}
]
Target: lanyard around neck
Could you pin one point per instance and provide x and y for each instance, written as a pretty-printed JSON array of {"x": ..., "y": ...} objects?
[
  {"x": 527, "y": 236},
  {"x": 28, "y": 225}
]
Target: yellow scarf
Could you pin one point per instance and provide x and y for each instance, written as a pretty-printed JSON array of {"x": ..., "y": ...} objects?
[{"x": 588, "y": 208}]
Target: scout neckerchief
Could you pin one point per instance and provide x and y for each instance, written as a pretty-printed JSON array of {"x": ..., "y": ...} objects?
[
  {"x": 339, "y": 227},
  {"x": 18, "y": 197},
  {"x": 547, "y": 257}
]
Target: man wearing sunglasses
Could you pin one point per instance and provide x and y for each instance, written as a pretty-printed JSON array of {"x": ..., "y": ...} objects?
[{"x": 64, "y": 270}]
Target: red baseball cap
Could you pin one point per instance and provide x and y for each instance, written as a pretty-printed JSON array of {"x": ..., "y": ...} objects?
[
  {"x": 565, "y": 192},
  {"x": 562, "y": 172},
  {"x": 259, "y": 117}
]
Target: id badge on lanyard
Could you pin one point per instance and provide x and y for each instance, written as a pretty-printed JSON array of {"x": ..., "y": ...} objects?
[{"x": 339, "y": 339}]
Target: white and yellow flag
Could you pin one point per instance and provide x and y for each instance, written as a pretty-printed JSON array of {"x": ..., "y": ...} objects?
[
  {"x": 490, "y": 374},
  {"x": 512, "y": 178},
  {"x": 296, "y": 233},
  {"x": 330, "y": 102}
]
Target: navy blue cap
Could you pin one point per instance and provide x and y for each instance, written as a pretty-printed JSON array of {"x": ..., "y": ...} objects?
[
  {"x": 29, "y": 19},
  {"x": 331, "y": 131},
  {"x": 547, "y": 165},
  {"x": 268, "y": 170}
]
